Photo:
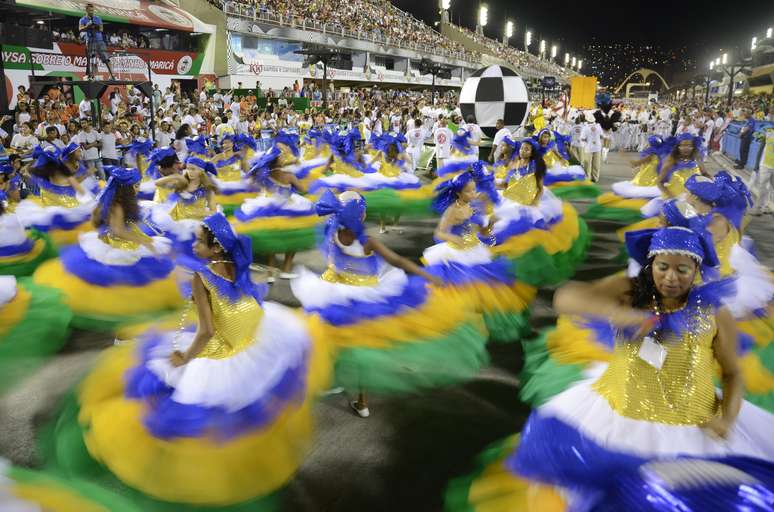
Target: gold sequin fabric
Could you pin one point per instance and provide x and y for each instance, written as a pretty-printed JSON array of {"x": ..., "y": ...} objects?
[
  {"x": 522, "y": 189},
  {"x": 195, "y": 211},
  {"x": 331, "y": 275},
  {"x": 723, "y": 250},
  {"x": 553, "y": 160},
  {"x": 230, "y": 172},
  {"x": 235, "y": 323},
  {"x": 48, "y": 198},
  {"x": 121, "y": 243},
  {"x": 681, "y": 392},
  {"x": 389, "y": 170},
  {"x": 676, "y": 184},
  {"x": 647, "y": 176},
  {"x": 469, "y": 240}
]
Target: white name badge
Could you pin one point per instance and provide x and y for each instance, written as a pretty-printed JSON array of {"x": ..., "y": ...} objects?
[{"x": 652, "y": 352}]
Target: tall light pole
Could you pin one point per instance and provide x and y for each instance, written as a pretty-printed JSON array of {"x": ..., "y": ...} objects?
[
  {"x": 444, "y": 5},
  {"x": 554, "y": 49},
  {"x": 580, "y": 64},
  {"x": 574, "y": 62},
  {"x": 527, "y": 40},
  {"x": 542, "y": 48},
  {"x": 566, "y": 59},
  {"x": 769, "y": 32},
  {"x": 483, "y": 18},
  {"x": 508, "y": 32},
  {"x": 726, "y": 65}
]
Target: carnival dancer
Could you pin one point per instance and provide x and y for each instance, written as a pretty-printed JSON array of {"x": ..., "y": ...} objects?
[
  {"x": 33, "y": 318},
  {"x": 393, "y": 332},
  {"x": 59, "y": 206},
  {"x": 278, "y": 219},
  {"x": 137, "y": 156},
  {"x": 461, "y": 259},
  {"x": 627, "y": 198},
  {"x": 656, "y": 400},
  {"x": 115, "y": 274},
  {"x": 683, "y": 162},
  {"x": 542, "y": 234},
  {"x": 71, "y": 157},
  {"x": 26, "y": 490},
  {"x": 216, "y": 417},
  {"x": 190, "y": 197},
  {"x": 233, "y": 188},
  {"x": 21, "y": 251},
  {"x": 564, "y": 179}
]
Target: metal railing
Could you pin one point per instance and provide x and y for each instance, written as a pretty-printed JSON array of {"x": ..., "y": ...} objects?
[{"x": 304, "y": 23}]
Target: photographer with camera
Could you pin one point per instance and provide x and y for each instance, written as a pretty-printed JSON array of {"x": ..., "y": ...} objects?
[{"x": 90, "y": 27}]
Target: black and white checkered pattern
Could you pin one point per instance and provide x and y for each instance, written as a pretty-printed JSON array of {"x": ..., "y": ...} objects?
[{"x": 495, "y": 93}]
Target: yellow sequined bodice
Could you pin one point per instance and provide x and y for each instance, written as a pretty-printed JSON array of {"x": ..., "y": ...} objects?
[
  {"x": 50, "y": 198},
  {"x": 501, "y": 171},
  {"x": 681, "y": 393},
  {"x": 522, "y": 189},
  {"x": 647, "y": 176},
  {"x": 388, "y": 169},
  {"x": 196, "y": 210},
  {"x": 552, "y": 159},
  {"x": 676, "y": 184},
  {"x": 723, "y": 250},
  {"x": 121, "y": 243},
  {"x": 161, "y": 195},
  {"x": 230, "y": 172},
  {"x": 235, "y": 323},
  {"x": 340, "y": 167}
]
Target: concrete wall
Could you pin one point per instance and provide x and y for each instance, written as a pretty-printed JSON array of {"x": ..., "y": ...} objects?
[{"x": 208, "y": 13}]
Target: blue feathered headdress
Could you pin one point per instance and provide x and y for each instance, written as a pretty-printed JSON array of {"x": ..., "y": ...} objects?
[
  {"x": 448, "y": 191},
  {"x": 119, "y": 176},
  {"x": 204, "y": 165},
  {"x": 239, "y": 248},
  {"x": 68, "y": 150},
  {"x": 261, "y": 166},
  {"x": 727, "y": 195},
  {"x": 291, "y": 140},
  {"x": 197, "y": 145},
  {"x": 348, "y": 213},
  {"x": 140, "y": 147},
  {"x": 46, "y": 156}
]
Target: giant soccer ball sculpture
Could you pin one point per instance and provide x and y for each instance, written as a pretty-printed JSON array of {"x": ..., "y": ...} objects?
[{"x": 493, "y": 93}]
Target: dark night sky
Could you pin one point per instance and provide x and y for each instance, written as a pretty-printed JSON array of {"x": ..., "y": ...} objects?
[{"x": 703, "y": 26}]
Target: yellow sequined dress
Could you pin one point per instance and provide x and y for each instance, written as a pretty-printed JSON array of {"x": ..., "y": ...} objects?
[{"x": 232, "y": 425}]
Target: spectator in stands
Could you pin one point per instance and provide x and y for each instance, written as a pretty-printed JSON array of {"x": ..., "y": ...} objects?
[
  {"x": 52, "y": 138},
  {"x": 90, "y": 141},
  {"x": 109, "y": 137},
  {"x": 24, "y": 141},
  {"x": 50, "y": 122}
]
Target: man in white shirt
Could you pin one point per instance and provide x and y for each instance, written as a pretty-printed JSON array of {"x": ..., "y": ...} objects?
[
  {"x": 89, "y": 140},
  {"x": 416, "y": 141},
  {"x": 395, "y": 122},
  {"x": 475, "y": 133},
  {"x": 502, "y": 133},
  {"x": 51, "y": 138},
  {"x": 165, "y": 135},
  {"x": 108, "y": 139},
  {"x": 40, "y": 131},
  {"x": 84, "y": 109},
  {"x": 591, "y": 141},
  {"x": 190, "y": 120},
  {"x": 442, "y": 136}
]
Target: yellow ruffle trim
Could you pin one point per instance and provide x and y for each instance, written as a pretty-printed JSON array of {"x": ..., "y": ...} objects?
[
  {"x": 611, "y": 200},
  {"x": 88, "y": 299},
  {"x": 649, "y": 223},
  {"x": 574, "y": 183},
  {"x": 61, "y": 237},
  {"x": 497, "y": 489},
  {"x": 571, "y": 344},
  {"x": 199, "y": 471},
  {"x": 55, "y": 499},
  {"x": 37, "y": 249},
  {"x": 234, "y": 199},
  {"x": 559, "y": 238},
  {"x": 277, "y": 223},
  {"x": 445, "y": 310},
  {"x": 14, "y": 312}
]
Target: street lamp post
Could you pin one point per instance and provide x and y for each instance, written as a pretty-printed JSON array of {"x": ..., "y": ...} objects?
[
  {"x": 730, "y": 69},
  {"x": 445, "y": 5},
  {"x": 542, "y": 48},
  {"x": 483, "y": 18},
  {"x": 508, "y": 32},
  {"x": 527, "y": 40},
  {"x": 554, "y": 49}
]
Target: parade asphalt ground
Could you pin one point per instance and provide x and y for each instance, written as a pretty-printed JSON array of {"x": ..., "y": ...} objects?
[{"x": 402, "y": 456}]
